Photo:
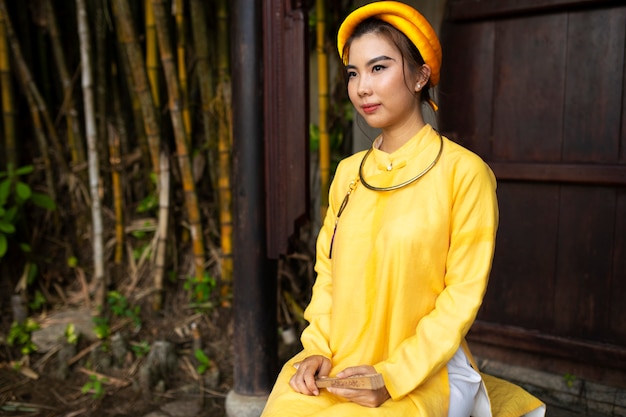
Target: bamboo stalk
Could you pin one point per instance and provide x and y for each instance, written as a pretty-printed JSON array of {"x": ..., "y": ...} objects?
[
  {"x": 40, "y": 136},
  {"x": 100, "y": 81},
  {"x": 205, "y": 81},
  {"x": 224, "y": 104},
  {"x": 162, "y": 231},
  {"x": 130, "y": 45},
  {"x": 174, "y": 100},
  {"x": 152, "y": 54},
  {"x": 137, "y": 115},
  {"x": 118, "y": 117},
  {"x": 74, "y": 134},
  {"x": 24, "y": 77},
  {"x": 182, "y": 65},
  {"x": 92, "y": 151},
  {"x": 322, "y": 88},
  {"x": 115, "y": 162},
  {"x": 8, "y": 105},
  {"x": 29, "y": 86}
]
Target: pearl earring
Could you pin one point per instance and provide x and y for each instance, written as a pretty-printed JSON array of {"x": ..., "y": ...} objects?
[{"x": 418, "y": 86}]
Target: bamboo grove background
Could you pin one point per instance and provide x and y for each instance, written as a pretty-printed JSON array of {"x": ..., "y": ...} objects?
[{"x": 116, "y": 145}]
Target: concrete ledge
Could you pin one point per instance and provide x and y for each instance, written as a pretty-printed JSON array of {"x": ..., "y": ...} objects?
[
  {"x": 566, "y": 390},
  {"x": 238, "y": 405}
]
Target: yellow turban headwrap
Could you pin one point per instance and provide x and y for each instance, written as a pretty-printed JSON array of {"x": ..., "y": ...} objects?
[{"x": 404, "y": 18}]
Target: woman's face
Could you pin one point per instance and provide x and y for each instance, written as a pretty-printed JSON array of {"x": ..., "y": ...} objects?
[{"x": 380, "y": 87}]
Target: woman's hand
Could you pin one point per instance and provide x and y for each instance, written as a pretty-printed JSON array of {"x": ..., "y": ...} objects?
[
  {"x": 310, "y": 368},
  {"x": 364, "y": 397}
]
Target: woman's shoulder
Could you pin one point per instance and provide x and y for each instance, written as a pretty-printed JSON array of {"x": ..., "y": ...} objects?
[
  {"x": 349, "y": 166},
  {"x": 458, "y": 154}
]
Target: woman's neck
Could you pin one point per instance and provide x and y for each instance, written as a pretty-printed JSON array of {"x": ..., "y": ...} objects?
[{"x": 394, "y": 139}]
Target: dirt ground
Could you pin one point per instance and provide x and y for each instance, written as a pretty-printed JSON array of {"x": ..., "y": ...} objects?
[{"x": 35, "y": 388}]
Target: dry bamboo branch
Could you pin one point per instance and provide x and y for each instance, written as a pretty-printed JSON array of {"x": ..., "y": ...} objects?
[
  {"x": 92, "y": 152},
  {"x": 174, "y": 100}
]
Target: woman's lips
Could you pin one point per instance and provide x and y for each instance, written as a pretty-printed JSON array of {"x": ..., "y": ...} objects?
[{"x": 370, "y": 108}]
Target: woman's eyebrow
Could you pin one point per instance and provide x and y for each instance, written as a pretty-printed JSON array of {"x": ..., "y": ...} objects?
[{"x": 372, "y": 61}]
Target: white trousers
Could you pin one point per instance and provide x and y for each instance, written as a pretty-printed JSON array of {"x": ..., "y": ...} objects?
[{"x": 464, "y": 384}]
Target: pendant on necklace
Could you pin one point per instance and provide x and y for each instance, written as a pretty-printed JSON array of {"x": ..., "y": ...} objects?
[{"x": 390, "y": 166}]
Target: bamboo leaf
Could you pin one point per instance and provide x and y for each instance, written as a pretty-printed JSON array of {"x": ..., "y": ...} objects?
[
  {"x": 6, "y": 227},
  {"x": 23, "y": 191},
  {"x": 5, "y": 189},
  {"x": 43, "y": 201},
  {"x": 4, "y": 245},
  {"x": 25, "y": 170}
]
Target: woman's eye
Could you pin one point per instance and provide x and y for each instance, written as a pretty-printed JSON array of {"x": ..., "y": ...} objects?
[
  {"x": 351, "y": 74},
  {"x": 377, "y": 68}
]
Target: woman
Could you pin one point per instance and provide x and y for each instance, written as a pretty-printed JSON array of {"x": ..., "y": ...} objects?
[{"x": 405, "y": 252}]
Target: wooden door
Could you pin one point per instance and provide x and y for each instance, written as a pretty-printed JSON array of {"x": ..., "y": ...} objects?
[{"x": 538, "y": 89}]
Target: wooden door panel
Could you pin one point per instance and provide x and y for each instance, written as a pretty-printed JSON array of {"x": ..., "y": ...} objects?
[
  {"x": 470, "y": 54},
  {"x": 617, "y": 322},
  {"x": 594, "y": 77},
  {"x": 521, "y": 288},
  {"x": 529, "y": 88},
  {"x": 555, "y": 135},
  {"x": 584, "y": 261}
]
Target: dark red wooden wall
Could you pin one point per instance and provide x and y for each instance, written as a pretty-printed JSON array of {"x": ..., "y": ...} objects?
[{"x": 538, "y": 89}]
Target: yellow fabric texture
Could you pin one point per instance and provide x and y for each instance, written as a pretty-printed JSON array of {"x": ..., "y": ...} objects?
[
  {"x": 404, "y": 18},
  {"x": 407, "y": 277},
  {"x": 507, "y": 399}
]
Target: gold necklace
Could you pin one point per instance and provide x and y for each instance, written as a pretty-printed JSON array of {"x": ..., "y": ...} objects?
[
  {"x": 355, "y": 182},
  {"x": 412, "y": 180}
]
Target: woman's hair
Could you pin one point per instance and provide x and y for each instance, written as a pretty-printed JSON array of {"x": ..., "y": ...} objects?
[{"x": 410, "y": 55}]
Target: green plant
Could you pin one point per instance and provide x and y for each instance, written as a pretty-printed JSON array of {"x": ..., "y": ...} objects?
[
  {"x": 20, "y": 334},
  {"x": 203, "y": 359},
  {"x": 201, "y": 290},
  {"x": 70, "y": 334},
  {"x": 151, "y": 201},
  {"x": 569, "y": 379},
  {"x": 140, "y": 349},
  {"x": 95, "y": 386},
  {"x": 38, "y": 301},
  {"x": 14, "y": 194},
  {"x": 102, "y": 328},
  {"x": 121, "y": 308}
]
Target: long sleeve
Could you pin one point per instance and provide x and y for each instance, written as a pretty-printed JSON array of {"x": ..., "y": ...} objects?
[{"x": 473, "y": 224}]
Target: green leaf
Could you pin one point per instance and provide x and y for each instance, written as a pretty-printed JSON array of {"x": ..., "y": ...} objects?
[
  {"x": 3, "y": 245},
  {"x": 32, "y": 273},
  {"x": 201, "y": 356},
  {"x": 43, "y": 201},
  {"x": 6, "y": 227},
  {"x": 10, "y": 214},
  {"x": 25, "y": 247},
  {"x": 72, "y": 261},
  {"x": 27, "y": 169},
  {"x": 23, "y": 190},
  {"x": 5, "y": 189}
]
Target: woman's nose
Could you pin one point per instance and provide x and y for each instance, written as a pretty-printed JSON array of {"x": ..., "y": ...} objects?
[{"x": 364, "y": 87}]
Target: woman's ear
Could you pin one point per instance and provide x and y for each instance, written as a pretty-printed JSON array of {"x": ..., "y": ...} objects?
[{"x": 423, "y": 75}]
